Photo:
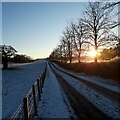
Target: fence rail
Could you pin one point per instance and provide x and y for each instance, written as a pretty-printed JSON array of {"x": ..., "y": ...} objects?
[{"x": 28, "y": 107}]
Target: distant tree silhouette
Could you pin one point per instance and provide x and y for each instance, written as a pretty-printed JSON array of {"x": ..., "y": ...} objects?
[
  {"x": 64, "y": 49},
  {"x": 7, "y": 52},
  {"x": 21, "y": 59},
  {"x": 69, "y": 43},
  {"x": 79, "y": 38}
]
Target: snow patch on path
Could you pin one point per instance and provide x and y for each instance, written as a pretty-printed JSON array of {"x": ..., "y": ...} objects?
[{"x": 52, "y": 104}]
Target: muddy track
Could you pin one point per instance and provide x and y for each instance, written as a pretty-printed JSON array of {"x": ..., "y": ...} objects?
[
  {"x": 84, "y": 109},
  {"x": 111, "y": 94}
]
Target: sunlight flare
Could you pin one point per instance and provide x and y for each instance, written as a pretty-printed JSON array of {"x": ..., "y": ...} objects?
[{"x": 92, "y": 53}]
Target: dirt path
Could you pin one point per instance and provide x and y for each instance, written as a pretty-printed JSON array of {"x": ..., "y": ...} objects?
[{"x": 82, "y": 107}]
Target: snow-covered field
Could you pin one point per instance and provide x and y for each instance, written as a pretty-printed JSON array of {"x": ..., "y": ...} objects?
[
  {"x": 11, "y": 65},
  {"x": 16, "y": 82},
  {"x": 0, "y": 94},
  {"x": 52, "y": 104},
  {"x": 109, "y": 107}
]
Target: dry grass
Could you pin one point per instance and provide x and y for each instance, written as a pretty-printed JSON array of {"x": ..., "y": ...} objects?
[{"x": 109, "y": 70}]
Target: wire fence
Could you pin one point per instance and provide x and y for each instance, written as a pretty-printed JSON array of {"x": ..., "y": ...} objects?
[{"x": 28, "y": 107}]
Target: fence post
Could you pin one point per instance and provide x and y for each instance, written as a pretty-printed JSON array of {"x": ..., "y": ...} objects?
[
  {"x": 41, "y": 83},
  {"x": 38, "y": 84},
  {"x": 35, "y": 101},
  {"x": 26, "y": 108},
  {"x": 44, "y": 74}
]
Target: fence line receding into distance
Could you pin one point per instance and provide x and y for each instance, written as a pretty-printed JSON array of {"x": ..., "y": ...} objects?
[{"x": 28, "y": 107}]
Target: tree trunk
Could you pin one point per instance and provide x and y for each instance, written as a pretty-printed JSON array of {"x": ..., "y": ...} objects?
[
  {"x": 79, "y": 58},
  {"x": 70, "y": 58},
  {"x": 95, "y": 60},
  {"x": 79, "y": 52},
  {"x": 5, "y": 63},
  {"x": 96, "y": 57},
  {"x": 96, "y": 46},
  {"x": 69, "y": 52}
]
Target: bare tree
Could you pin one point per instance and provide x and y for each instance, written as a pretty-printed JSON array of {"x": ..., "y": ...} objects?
[
  {"x": 7, "y": 51},
  {"x": 98, "y": 25},
  {"x": 57, "y": 53},
  {"x": 69, "y": 42},
  {"x": 114, "y": 5},
  {"x": 78, "y": 32},
  {"x": 64, "y": 49},
  {"x": 111, "y": 6}
]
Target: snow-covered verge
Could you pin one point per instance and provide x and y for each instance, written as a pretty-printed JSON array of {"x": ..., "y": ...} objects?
[
  {"x": 106, "y": 83},
  {"x": 0, "y": 94},
  {"x": 52, "y": 104},
  {"x": 16, "y": 82},
  {"x": 109, "y": 107}
]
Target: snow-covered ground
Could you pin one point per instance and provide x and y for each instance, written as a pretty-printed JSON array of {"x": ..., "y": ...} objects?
[
  {"x": 106, "y": 83},
  {"x": 10, "y": 64},
  {"x": 0, "y": 94},
  {"x": 109, "y": 107},
  {"x": 52, "y": 104},
  {"x": 16, "y": 82}
]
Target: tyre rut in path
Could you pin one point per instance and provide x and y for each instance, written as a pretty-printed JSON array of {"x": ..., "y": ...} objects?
[{"x": 81, "y": 106}]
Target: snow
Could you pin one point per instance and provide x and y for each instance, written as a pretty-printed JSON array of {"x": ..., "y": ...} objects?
[
  {"x": 109, "y": 107},
  {"x": 16, "y": 82},
  {"x": 0, "y": 94},
  {"x": 52, "y": 104},
  {"x": 102, "y": 82},
  {"x": 106, "y": 83},
  {"x": 10, "y": 64}
]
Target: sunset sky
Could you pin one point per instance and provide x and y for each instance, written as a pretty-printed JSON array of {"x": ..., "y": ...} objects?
[{"x": 35, "y": 28}]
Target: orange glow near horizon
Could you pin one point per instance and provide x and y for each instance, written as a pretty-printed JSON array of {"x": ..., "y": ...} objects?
[{"x": 92, "y": 53}]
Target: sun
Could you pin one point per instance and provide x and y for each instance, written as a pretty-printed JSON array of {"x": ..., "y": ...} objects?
[{"x": 92, "y": 53}]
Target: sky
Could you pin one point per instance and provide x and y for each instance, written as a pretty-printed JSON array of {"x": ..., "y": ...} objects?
[{"x": 35, "y": 28}]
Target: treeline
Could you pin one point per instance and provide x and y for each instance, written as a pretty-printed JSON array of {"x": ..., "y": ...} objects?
[
  {"x": 20, "y": 59},
  {"x": 8, "y": 54},
  {"x": 94, "y": 31}
]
